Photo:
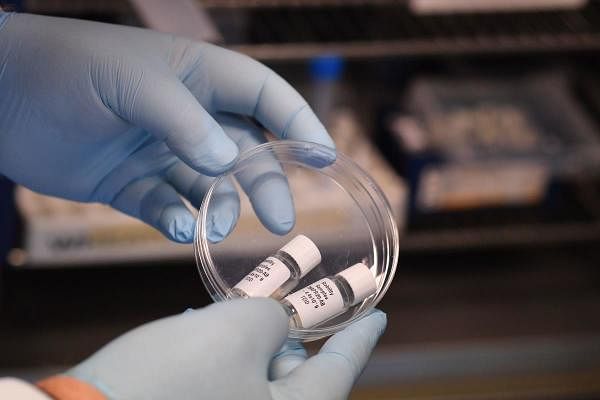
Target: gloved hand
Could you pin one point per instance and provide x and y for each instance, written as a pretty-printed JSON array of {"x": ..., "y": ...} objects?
[
  {"x": 129, "y": 117},
  {"x": 229, "y": 351}
]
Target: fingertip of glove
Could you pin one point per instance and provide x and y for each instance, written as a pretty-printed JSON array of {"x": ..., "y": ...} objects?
[
  {"x": 222, "y": 218},
  {"x": 377, "y": 313},
  {"x": 274, "y": 206},
  {"x": 318, "y": 156},
  {"x": 379, "y": 318},
  {"x": 177, "y": 224}
]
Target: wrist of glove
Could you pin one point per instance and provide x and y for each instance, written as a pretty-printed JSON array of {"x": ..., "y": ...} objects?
[{"x": 230, "y": 350}]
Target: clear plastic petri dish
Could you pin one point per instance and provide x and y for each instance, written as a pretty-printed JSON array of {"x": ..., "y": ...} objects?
[{"x": 279, "y": 191}]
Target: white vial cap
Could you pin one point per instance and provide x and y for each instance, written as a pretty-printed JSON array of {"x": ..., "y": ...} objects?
[
  {"x": 304, "y": 252},
  {"x": 361, "y": 281}
]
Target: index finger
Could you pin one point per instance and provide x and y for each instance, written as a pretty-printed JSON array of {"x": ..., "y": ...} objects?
[{"x": 244, "y": 86}]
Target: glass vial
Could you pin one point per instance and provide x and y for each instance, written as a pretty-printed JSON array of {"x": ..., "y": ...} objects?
[
  {"x": 330, "y": 296},
  {"x": 277, "y": 275}
]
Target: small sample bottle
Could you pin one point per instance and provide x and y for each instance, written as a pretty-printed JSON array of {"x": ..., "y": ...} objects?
[
  {"x": 280, "y": 273},
  {"x": 330, "y": 296},
  {"x": 326, "y": 81}
]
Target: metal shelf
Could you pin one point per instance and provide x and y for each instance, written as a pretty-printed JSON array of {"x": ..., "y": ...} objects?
[
  {"x": 383, "y": 29},
  {"x": 295, "y": 30},
  {"x": 465, "y": 45}
]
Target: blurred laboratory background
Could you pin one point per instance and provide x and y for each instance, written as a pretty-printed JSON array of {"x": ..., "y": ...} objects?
[{"x": 480, "y": 119}]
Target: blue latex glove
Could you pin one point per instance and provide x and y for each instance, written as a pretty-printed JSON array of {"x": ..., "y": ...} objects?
[
  {"x": 229, "y": 351},
  {"x": 134, "y": 118}
]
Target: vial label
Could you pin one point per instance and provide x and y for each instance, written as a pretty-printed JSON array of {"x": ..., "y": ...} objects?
[
  {"x": 265, "y": 279},
  {"x": 317, "y": 302}
]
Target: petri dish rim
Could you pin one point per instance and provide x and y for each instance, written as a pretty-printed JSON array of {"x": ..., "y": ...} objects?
[{"x": 357, "y": 183}]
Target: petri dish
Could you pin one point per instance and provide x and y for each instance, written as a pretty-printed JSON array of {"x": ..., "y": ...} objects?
[{"x": 335, "y": 203}]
